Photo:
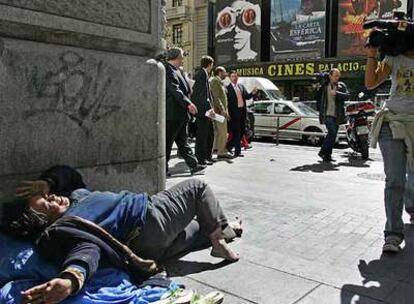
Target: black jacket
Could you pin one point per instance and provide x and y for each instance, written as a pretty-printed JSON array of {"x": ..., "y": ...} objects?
[
  {"x": 232, "y": 101},
  {"x": 201, "y": 92},
  {"x": 177, "y": 94},
  {"x": 76, "y": 241},
  {"x": 342, "y": 95}
]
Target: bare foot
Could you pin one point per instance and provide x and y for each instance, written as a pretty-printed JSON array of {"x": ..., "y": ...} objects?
[
  {"x": 237, "y": 227},
  {"x": 221, "y": 250}
]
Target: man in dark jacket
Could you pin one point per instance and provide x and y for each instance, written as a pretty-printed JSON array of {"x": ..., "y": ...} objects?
[
  {"x": 330, "y": 102},
  {"x": 90, "y": 228},
  {"x": 178, "y": 107},
  {"x": 237, "y": 95},
  {"x": 204, "y": 102}
]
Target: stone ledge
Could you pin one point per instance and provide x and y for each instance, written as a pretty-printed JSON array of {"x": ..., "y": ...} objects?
[{"x": 39, "y": 26}]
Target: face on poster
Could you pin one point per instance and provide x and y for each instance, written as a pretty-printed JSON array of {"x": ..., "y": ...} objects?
[
  {"x": 352, "y": 15},
  {"x": 297, "y": 29},
  {"x": 238, "y": 32}
]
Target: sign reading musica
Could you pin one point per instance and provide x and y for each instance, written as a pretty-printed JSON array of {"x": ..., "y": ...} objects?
[{"x": 299, "y": 69}]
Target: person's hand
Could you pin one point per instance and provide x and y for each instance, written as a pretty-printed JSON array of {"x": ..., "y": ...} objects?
[
  {"x": 372, "y": 51},
  {"x": 54, "y": 291},
  {"x": 28, "y": 189},
  {"x": 211, "y": 114},
  {"x": 192, "y": 108}
]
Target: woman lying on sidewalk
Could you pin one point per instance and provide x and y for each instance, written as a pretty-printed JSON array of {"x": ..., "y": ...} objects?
[{"x": 87, "y": 229}]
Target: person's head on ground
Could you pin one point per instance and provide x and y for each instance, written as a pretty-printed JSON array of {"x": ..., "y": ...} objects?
[
  {"x": 207, "y": 63},
  {"x": 234, "y": 77},
  {"x": 175, "y": 56},
  {"x": 334, "y": 76},
  {"x": 220, "y": 72},
  {"x": 35, "y": 214}
]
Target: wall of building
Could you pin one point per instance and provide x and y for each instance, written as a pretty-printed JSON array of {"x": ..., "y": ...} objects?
[
  {"x": 193, "y": 16},
  {"x": 77, "y": 87}
]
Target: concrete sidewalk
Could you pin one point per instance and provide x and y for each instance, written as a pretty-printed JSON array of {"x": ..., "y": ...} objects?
[{"x": 313, "y": 231}]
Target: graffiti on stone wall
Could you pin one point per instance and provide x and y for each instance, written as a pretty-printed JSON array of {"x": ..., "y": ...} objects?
[{"x": 80, "y": 95}]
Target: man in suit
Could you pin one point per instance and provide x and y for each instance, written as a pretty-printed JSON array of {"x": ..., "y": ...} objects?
[
  {"x": 178, "y": 107},
  {"x": 237, "y": 96},
  {"x": 203, "y": 100},
  {"x": 219, "y": 93}
]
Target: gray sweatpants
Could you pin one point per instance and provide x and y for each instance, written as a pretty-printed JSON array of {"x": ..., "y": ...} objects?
[{"x": 178, "y": 219}]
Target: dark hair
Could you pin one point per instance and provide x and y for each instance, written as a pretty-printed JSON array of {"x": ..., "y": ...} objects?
[
  {"x": 219, "y": 69},
  {"x": 19, "y": 220},
  {"x": 331, "y": 71},
  {"x": 233, "y": 72},
  {"x": 206, "y": 61},
  {"x": 173, "y": 53}
]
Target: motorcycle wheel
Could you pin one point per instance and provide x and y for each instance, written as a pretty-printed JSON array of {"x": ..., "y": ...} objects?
[{"x": 364, "y": 147}]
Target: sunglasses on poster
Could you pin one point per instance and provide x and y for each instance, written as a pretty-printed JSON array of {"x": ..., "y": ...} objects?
[{"x": 242, "y": 17}]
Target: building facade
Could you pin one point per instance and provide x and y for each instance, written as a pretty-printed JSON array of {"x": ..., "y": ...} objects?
[
  {"x": 289, "y": 41},
  {"x": 187, "y": 27}
]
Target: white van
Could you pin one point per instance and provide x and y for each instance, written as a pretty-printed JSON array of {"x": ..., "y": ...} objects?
[{"x": 267, "y": 90}]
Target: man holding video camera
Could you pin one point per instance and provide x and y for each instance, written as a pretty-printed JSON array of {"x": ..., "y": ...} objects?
[
  {"x": 393, "y": 127},
  {"x": 330, "y": 102}
]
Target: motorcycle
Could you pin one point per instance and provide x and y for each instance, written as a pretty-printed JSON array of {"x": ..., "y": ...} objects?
[{"x": 357, "y": 127}]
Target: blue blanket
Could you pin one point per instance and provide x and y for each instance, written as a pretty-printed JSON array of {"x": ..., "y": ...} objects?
[{"x": 21, "y": 267}]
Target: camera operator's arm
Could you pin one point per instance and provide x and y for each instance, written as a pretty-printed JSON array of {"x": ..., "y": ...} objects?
[{"x": 375, "y": 73}]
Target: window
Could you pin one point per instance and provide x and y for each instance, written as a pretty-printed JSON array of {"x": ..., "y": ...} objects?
[
  {"x": 263, "y": 108},
  {"x": 177, "y": 34},
  {"x": 282, "y": 109},
  {"x": 177, "y": 3}
]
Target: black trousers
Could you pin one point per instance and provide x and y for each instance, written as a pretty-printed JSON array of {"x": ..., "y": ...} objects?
[
  {"x": 204, "y": 139},
  {"x": 176, "y": 131},
  {"x": 236, "y": 125}
]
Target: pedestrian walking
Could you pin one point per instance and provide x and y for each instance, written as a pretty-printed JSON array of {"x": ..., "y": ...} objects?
[
  {"x": 219, "y": 93},
  {"x": 237, "y": 95},
  {"x": 393, "y": 128},
  {"x": 330, "y": 102},
  {"x": 178, "y": 107},
  {"x": 203, "y": 100}
]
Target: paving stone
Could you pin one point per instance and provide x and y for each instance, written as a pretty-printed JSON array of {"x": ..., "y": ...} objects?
[{"x": 329, "y": 295}]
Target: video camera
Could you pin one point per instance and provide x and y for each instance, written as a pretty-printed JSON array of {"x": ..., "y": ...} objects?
[
  {"x": 393, "y": 37},
  {"x": 321, "y": 78}
]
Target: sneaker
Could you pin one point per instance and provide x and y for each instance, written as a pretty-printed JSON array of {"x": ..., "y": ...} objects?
[{"x": 392, "y": 244}]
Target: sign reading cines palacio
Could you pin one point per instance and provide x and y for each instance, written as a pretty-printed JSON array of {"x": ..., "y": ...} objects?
[{"x": 288, "y": 70}]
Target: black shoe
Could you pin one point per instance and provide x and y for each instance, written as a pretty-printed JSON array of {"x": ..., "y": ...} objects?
[
  {"x": 197, "y": 168},
  {"x": 238, "y": 155},
  {"x": 225, "y": 156},
  {"x": 209, "y": 162},
  {"x": 326, "y": 158}
]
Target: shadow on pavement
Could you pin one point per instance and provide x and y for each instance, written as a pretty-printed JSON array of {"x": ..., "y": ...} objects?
[
  {"x": 182, "y": 268},
  {"x": 354, "y": 160},
  {"x": 389, "y": 279},
  {"x": 180, "y": 169}
]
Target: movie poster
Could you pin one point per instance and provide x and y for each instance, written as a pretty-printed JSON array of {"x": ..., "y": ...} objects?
[
  {"x": 238, "y": 31},
  {"x": 297, "y": 29},
  {"x": 351, "y": 16}
]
